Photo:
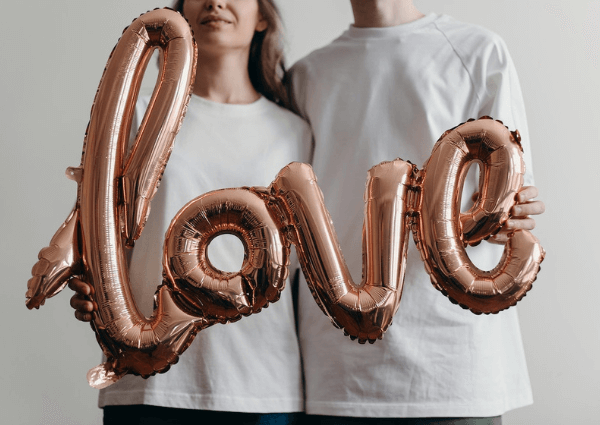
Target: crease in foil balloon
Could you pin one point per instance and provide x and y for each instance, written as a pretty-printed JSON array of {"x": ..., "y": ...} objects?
[{"x": 399, "y": 199}]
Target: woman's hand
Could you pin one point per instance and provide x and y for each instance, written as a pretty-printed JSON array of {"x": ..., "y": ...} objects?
[
  {"x": 520, "y": 214},
  {"x": 84, "y": 307}
]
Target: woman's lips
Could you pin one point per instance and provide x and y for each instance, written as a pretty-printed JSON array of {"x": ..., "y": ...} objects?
[{"x": 214, "y": 20}]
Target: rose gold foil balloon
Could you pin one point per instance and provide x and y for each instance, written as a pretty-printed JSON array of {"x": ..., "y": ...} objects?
[
  {"x": 57, "y": 263},
  {"x": 398, "y": 196},
  {"x": 363, "y": 310},
  {"x": 115, "y": 190},
  {"x": 197, "y": 284},
  {"x": 132, "y": 342},
  {"x": 441, "y": 232}
]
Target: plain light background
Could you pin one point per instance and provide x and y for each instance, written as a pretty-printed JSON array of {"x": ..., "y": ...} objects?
[{"x": 52, "y": 56}]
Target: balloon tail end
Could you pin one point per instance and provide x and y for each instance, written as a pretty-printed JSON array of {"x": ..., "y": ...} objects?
[
  {"x": 103, "y": 376},
  {"x": 34, "y": 302}
]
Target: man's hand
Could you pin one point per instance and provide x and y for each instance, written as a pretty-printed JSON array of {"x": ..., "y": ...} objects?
[
  {"x": 525, "y": 207},
  {"x": 520, "y": 214}
]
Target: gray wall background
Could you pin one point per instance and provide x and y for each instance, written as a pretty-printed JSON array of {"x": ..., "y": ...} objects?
[{"x": 52, "y": 56}]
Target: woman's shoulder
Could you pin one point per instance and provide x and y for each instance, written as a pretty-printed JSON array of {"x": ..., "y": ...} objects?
[
  {"x": 289, "y": 129},
  {"x": 282, "y": 114}
]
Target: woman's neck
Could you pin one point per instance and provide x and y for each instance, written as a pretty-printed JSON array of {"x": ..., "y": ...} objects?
[
  {"x": 383, "y": 13},
  {"x": 224, "y": 78}
]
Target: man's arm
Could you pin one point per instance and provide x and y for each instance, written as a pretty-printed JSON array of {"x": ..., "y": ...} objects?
[{"x": 502, "y": 99}]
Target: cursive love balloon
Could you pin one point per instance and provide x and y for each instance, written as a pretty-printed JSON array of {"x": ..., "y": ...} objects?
[{"x": 115, "y": 189}]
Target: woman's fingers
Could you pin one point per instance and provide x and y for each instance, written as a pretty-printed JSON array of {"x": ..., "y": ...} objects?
[
  {"x": 81, "y": 287},
  {"x": 84, "y": 308},
  {"x": 78, "y": 302},
  {"x": 83, "y": 317}
]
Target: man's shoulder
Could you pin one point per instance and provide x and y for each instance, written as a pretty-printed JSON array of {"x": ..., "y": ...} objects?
[
  {"x": 467, "y": 38},
  {"x": 321, "y": 55}
]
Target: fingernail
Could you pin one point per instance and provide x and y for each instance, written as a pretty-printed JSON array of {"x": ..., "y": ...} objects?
[
  {"x": 517, "y": 210},
  {"x": 510, "y": 223}
]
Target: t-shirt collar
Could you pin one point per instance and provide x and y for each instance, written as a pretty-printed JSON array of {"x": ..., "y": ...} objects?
[
  {"x": 386, "y": 32},
  {"x": 230, "y": 109}
]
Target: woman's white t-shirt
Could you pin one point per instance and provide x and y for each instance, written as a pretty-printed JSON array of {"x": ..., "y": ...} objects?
[{"x": 252, "y": 365}]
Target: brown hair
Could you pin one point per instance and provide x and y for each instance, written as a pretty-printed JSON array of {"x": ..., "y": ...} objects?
[{"x": 266, "y": 65}]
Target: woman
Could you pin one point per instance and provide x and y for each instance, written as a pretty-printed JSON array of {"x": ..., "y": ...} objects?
[{"x": 235, "y": 134}]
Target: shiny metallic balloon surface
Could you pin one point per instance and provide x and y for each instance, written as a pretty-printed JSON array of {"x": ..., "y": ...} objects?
[{"x": 115, "y": 188}]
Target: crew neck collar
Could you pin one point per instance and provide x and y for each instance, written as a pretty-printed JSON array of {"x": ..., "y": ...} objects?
[
  {"x": 384, "y": 32},
  {"x": 230, "y": 108}
]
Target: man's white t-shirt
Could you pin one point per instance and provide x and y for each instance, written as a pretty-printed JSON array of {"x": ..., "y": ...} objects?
[
  {"x": 372, "y": 95},
  {"x": 252, "y": 365}
]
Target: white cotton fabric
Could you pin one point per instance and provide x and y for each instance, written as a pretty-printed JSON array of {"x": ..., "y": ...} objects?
[
  {"x": 252, "y": 365},
  {"x": 372, "y": 95}
]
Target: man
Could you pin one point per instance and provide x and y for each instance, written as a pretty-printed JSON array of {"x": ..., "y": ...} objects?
[{"x": 387, "y": 87}]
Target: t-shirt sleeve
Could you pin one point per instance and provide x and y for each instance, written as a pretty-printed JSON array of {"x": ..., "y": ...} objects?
[
  {"x": 308, "y": 142},
  {"x": 296, "y": 84},
  {"x": 502, "y": 99}
]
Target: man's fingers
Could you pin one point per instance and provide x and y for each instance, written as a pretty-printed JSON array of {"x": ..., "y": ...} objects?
[
  {"x": 528, "y": 208},
  {"x": 526, "y": 193},
  {"x": 500, "y": 238},
  {"x": 521, "y": 223}
]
